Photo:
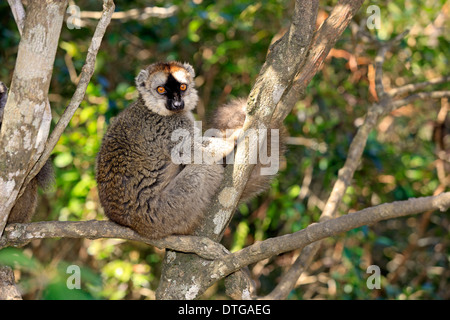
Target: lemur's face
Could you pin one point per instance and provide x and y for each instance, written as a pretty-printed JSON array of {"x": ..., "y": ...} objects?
[{"x": 168, "y": 88}]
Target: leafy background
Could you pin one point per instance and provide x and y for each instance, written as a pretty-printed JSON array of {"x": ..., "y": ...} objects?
[{"x": 226, "y": 42}]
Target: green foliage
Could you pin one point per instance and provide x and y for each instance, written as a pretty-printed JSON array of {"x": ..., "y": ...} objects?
[{"x": 227, "y": 42}]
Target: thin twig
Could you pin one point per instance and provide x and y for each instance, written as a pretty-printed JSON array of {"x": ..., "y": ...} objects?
[
  {"x": 417, "y": 86},
  {"x": 21, "y": 148},
  {"x": 136, "y": 14},
  {"x": 383, "y": 48},
  {"x": 419, "y": 95}
]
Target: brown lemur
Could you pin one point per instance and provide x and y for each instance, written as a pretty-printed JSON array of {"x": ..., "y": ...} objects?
[
  {"x": 139, "y": 183},
  {"x": 26, "y": 204}
]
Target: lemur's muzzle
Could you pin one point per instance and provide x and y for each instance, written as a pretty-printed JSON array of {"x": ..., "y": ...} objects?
[{"x": 176, "y": 105}]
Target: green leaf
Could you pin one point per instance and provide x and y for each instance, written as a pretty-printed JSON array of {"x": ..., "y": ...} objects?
[
  {"x": 60, "y": 291},
  {"x": 15, "y": 258},
  {"x": 63, "y": 159},
  {"x": 294, "y": 191}
]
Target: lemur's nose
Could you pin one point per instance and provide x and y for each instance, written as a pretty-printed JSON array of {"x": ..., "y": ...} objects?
[{"x": 178, "y": 105}]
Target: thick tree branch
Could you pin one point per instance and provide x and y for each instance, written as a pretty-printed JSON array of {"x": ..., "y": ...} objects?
[
  {"x": 134, "y": 14},
  {"x": 323, "y": 41},
  {"x": 20, "y": 234},
  {"x": 283, "y": 61},
  {"x": 416, "y": 96},
  {"x": 19, "y": 16}
]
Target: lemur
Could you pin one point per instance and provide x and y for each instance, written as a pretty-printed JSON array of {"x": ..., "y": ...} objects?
[{"x": 139, "y": 183}]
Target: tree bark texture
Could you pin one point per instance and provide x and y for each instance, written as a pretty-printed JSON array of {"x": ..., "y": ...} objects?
[
  {"x": 27, "y": 117},
  {"x": 8, "y": 289}
]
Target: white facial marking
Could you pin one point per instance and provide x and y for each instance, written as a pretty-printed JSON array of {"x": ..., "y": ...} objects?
[{"x": 181, "y": 76}]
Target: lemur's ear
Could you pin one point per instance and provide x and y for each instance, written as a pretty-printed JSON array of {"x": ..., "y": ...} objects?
[
  {"x": 140, "y": 79},
  {"x": 189, "y": 68}
]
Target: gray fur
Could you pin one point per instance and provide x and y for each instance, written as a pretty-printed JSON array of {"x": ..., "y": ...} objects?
[
  {"x": 190, "y": 69},
  {"x": 142, "y": 76}
]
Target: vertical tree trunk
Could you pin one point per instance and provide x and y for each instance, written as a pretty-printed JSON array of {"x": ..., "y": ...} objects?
[{"x": 26, "y": 119}]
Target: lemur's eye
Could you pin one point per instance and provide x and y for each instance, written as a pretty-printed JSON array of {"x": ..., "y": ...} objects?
[
  {"x": 183, "y": 87},
  {"x": 161, "y": 90}
]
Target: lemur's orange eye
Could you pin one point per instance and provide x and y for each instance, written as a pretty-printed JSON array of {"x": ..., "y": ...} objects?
[
  {"x": 183, "y": 87},
  {"x": 161, "y": 90}
]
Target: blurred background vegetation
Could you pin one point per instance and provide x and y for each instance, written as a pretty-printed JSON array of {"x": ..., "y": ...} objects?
[{"x": 226, "y": 42}]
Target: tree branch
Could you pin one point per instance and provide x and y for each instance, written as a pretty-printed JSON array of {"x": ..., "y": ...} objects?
[
  {"x": 226, "y": 263},
  {"x": 283, "y": 61},
  {"x": 383, "y": 48},
  {"x": 420, "y": 95},
  {"x": 19, "y": 16},
  {"x": 275, "y": 87},
  {"x": 18, "y": 234},
  {"x": 323, "y": 41},
  {"x": 136, "y": 14},
  {"x": 331, "y": 227},
  {"x": 417, "y": 86},
  {"x": 18, "y": 13}
]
